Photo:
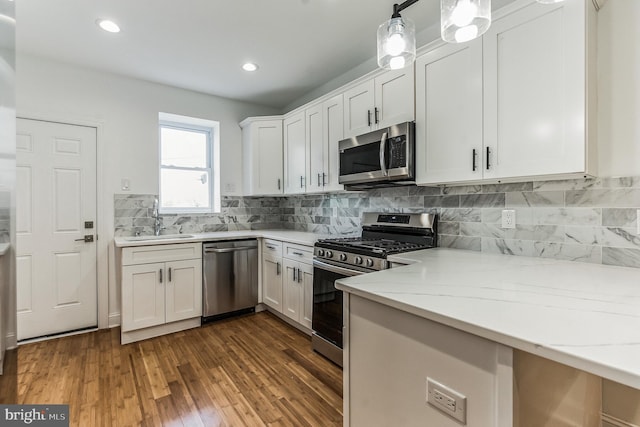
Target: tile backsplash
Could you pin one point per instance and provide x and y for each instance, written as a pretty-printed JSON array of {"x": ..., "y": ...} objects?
[{"x": 589, "y": 220}]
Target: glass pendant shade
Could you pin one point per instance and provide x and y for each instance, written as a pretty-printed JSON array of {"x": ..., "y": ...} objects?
[
  {"x": 464, "y": 20},
  {"x": 396, "y": 43}
]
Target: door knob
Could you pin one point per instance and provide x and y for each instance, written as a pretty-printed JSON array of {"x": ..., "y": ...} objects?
[{"x": 88, "y": 238}]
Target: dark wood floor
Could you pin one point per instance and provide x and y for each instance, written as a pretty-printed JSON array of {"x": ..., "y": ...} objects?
[{"x": 249, "y": 371}]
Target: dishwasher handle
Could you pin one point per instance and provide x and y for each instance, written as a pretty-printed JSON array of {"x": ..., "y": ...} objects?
[{"x": 223, "y": 250}]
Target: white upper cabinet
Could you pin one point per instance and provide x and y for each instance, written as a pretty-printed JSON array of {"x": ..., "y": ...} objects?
[
  {"x": 512, "y": 105},
  {"x": 536, "y": 62},
  {"x": 332, "y": 133},
  {"x": 378, "y": 102},
  {"x": 295, "y": 154},
  {"x": 449, "y": 114},
  {"x": 315, "y": 147},
  {"x": 324, "y": 130},
  {"x": 262, "y": 153}
]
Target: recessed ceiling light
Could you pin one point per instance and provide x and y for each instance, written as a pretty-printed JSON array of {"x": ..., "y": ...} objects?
[
  {"x": 108, "y": 25},
  {"x": 249, "y": 66}
]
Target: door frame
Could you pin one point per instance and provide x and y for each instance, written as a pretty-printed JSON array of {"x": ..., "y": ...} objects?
[{"x": 102, "y": 244}]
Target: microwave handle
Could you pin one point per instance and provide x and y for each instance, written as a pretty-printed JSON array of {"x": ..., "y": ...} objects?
[{"x": 383, "y": 143}]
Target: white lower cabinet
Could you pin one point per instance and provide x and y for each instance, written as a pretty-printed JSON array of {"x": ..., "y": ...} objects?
[
  {"x": 287, "y": 280},
  {"x": 298, "y": 291},
  {"x": 164, "y": 296}
]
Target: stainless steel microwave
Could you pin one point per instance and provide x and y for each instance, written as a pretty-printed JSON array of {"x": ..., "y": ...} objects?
[{"x": 381, "y": 158}]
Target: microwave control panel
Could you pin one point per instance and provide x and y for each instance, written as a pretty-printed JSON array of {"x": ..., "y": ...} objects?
[{"x": 397, "y": 153}]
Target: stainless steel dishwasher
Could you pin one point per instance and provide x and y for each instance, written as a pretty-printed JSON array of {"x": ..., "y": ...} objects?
[{"x": 230, "y": 277}]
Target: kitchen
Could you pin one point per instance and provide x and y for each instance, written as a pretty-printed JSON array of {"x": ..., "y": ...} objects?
[{"x": 126, "y": 112}]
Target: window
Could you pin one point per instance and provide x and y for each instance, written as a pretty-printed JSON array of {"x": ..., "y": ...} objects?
[{"x": 189, "y": 178}]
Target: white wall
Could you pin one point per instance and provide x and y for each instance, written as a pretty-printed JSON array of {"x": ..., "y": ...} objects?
[
  {"x": 619, "y": 88},
  {"x": 127, "y": 112}
]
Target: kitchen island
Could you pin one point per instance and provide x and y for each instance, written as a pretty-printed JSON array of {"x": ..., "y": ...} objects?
[{"x": 582, "y": 316}]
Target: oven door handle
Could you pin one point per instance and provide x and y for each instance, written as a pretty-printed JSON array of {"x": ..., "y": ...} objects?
[
  {"x": 383, "y": 143},
  {"x": 335, "y": 269}
]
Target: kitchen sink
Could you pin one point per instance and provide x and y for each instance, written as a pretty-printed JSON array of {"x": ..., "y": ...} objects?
[{"x": 161, "y": 237}]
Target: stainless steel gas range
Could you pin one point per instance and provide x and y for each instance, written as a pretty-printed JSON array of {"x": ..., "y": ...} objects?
[{"x": 383, "y": 234}]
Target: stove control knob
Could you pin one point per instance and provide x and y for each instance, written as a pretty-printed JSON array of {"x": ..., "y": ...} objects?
[
  {"x": 369, "y": 262},
  {"x": 343, "y": 257},
  {"x": 320, "y": 252},
  {"x": 358, "y": 260},
  {"x": 329, "y": 254}
]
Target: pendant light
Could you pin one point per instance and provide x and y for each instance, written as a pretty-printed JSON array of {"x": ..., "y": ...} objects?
[
  {"x": 396, "y": 43},
  {"x": 464, "y": 20},
  {"x": 460, "y": 21}
]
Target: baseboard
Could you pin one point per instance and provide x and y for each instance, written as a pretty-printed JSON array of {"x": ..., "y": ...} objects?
[
  {"x": 114, "y": 320},
  {"x": 609, "y": 421},
  {"x": 12, "y": 341}
]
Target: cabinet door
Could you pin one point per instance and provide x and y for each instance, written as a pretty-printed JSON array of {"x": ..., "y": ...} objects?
[
  {"x": 143, "y": 296},
  {"x": 263, "y": 157},
  {"x": 294, "y": 154},
  {"x": 315, "y": 147},
  {"x": 306, "y": 302},
  {"x": 449, "y": 114},
  {"x": 291, "y": 290},
  {"x": 394, "y": 98},
  {"x": 358, "y": 109},
  {"x": 183, "y": 289},
  {"x": 272, "y": 283},
  {"x": 333, "y": 133},
  {"x": 534, "y": 82}
]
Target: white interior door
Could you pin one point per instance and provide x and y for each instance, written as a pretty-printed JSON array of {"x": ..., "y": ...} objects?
[{"x": 56, "y": 194}]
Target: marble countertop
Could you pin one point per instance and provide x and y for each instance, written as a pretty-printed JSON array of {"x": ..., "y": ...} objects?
[
  {"x": 291, "y": 236},
  {"x": 582, "y": 315}
]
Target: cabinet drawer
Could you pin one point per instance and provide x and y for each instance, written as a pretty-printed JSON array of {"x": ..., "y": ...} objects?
[
  {"x": 272, "y": 247},
  {"x": 298, "y": 252},
  {"x": 161, "y": 253}
]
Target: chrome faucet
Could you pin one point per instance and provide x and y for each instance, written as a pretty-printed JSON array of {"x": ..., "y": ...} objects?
[{"x": 157, "y": 225}]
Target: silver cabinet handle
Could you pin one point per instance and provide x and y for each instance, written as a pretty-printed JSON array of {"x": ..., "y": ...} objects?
[
  {"x": 324, "y": 179},
  {"x": 383, "y": 143},
  {"x": 169, "y": 273},
  {"x": 160, "y": 275},
  {"x": 474, "y": 154},
  {"x": 273, "y": 248},
  {"x": 224, "y": 250},
  {"x": 369, "y": 118},
  {"x": 319, "y": 181},
  {"x": 298, "y": 253},
  {"x": 278, "y": 183},
  {"x": 277, "y": 268},
  {"x": 301, "y": 181},
  {"x": 299, "y": 275},
  {"x": 376, "y": 114},
  {"x": 295, "y": 279}
]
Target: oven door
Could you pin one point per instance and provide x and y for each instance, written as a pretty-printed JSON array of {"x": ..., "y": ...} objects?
[{"x": 327, "y": 300}]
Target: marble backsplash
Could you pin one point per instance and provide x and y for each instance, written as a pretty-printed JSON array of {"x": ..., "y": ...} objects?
[{"x": 588, "y": 220}]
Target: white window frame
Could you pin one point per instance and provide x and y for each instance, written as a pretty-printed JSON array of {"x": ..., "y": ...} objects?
[{"x": 212, "y": 131}]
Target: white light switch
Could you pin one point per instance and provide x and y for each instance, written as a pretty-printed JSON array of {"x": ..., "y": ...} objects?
[{"x": 126, "y": 184}]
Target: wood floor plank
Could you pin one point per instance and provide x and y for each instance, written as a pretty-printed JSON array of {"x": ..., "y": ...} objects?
[{"x": 252, "y": 370}]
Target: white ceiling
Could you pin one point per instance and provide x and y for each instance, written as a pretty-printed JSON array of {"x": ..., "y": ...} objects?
[{"x": 202, "y": 44}]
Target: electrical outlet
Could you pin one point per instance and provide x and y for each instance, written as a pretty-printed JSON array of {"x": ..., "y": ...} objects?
[
  {"x": 126, "y": 184},
  {"x": 447, "y": 400},
  {"x": 508, "y": 218}
]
